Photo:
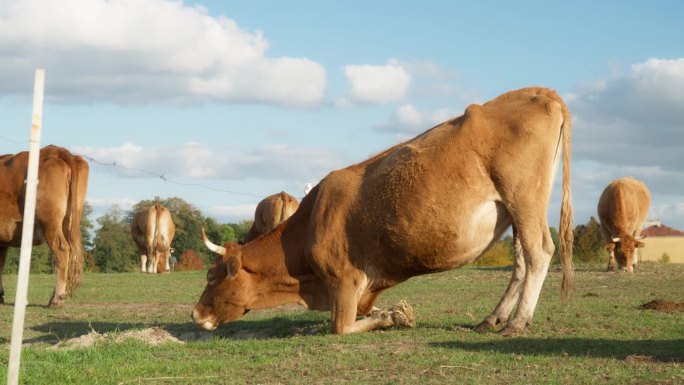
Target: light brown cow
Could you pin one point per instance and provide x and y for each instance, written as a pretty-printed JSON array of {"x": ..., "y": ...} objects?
[
  {"x": 62, "y": 185},
  {"x": 433, "y": 203},
  {"x": 153, "y": 230},
  {"x": 622, "y": 210},
  {"x": 270, "y": 212}
]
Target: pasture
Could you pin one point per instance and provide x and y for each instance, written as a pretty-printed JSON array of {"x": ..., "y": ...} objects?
[{"x": 133, "y": 328}]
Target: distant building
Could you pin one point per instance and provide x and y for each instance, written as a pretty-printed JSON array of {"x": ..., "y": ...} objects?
[{"x": 662, "y": 241}]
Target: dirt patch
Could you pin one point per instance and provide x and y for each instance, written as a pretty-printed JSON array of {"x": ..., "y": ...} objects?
[
  {"x": 663, "y": 305},
  {"x": 152, "y": 336},
  {"x": 637, "y": 359}
]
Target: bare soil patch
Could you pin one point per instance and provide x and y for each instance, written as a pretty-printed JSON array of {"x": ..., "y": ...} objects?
[
  {"x": 663, "y": 305},
  {"x": 152, "y": 336}
]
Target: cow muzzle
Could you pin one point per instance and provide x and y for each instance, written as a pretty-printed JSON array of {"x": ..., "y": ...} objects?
[{"x": 207, "y": 323}]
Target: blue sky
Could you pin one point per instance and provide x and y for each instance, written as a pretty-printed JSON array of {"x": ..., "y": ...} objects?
[{"x": 234, "y": 101}]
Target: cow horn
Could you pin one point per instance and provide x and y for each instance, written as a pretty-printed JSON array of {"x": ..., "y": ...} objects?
[
  {"x": 616, "y": 239},
  {"x": 214, "y": 248}
]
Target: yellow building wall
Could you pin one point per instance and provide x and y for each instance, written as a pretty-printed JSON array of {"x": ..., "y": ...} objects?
[{"x": 657, "y": 246}]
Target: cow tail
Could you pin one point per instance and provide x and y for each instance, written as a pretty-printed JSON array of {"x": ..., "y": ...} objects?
[
  {"x": 158, "y": 238},
  {"x": 77, "y": 193},
  {"x": 566, "y": 213}
]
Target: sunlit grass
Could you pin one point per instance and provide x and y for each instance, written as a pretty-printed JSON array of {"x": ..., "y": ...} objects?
[{"x": 601, "y": 336}]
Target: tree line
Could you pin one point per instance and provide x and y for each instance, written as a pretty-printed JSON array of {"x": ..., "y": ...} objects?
[{"x": 109, "y": 247}]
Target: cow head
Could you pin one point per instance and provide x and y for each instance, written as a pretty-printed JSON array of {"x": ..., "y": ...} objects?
[
  {"x": 624, "y": 249},
  {"x": 162, "y": 261},
  {"x": 225, "y": 298}
]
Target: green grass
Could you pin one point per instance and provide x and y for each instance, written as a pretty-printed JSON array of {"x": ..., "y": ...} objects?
[{"x": 601, "y": 337}]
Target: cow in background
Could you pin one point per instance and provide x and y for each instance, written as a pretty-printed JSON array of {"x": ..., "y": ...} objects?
[
  {"x": 62, "y": 185},
  {"x": 152, "y": 230},
  {"x": 622, "y": 210},
  {"x": 270, "y": 212},
  {"x": 431, "y": 204}
]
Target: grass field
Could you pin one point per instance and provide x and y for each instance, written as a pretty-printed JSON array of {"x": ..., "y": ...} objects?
[{"x": 603, "y": 336}]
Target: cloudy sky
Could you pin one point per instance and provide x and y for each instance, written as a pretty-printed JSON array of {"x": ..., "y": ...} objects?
[{"x": 223, "y": 103}]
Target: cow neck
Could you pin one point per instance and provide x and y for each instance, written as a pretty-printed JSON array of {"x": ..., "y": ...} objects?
[{"x": 274, "y": 262}]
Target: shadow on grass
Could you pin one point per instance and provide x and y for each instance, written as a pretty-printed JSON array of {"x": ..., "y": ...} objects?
[
  {"x": 656, "y": 350},
  {"x": 277, "y": 327}
]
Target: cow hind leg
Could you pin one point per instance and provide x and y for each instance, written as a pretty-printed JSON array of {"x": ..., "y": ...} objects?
[
  {"x": 503, "y": 310},
  {"x": 143, "y": 263},
  {"x": 537, "y": 247},
  {"x": 3, "y": 256},
  {"x": 61, "y": 253}
]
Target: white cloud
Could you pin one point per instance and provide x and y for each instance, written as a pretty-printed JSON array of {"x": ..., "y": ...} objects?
[
  {"x": 198, "y": 161},
  {"x": 635, "y": 119},
  {"x": 669, "y": 214},
  {"x": 633, "y": 125},
  {"x": 146, "y": 51},
  {"x": 378, "y": 84},
  {"x": 409, "y": 120},
  {"x": 235, "y": 211}
]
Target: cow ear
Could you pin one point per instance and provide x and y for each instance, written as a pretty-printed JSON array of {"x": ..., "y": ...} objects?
[
  {"x": 233, "y": 259},
  {"x": 640, "y": 244},
  {"x": 233, "y": 265},
  {"x": 610, "y": 246}
]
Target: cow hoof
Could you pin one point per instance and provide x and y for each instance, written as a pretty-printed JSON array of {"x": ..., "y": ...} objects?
[
  {"x": 402, "y": 315},
  {"x": 55, "y": 305},
  {"x": 56, "y": 302},
  {"x": 484, "y": 327},
  {"x": 510, "y": 331}
]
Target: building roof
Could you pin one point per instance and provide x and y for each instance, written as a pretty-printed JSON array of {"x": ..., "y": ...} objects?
[{"x": 661, "y": 230}]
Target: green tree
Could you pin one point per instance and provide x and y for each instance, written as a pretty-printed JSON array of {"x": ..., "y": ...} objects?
[
  {"x": 114, "y": 249},
  {"x": 219, "y": 233},
  {"x": 41, "y": 260},
  {"x": 241, "y": 229},
  {"x": 589, "y": 245},
  {"x": 87, "y": 232},
  {"x": 41, "y": 257},
  {"x": 87, "y": 226}
]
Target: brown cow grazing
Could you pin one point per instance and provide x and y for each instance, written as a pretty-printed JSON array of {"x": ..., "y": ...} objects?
[
  {"x": 270, "y": 212},
  {"x": 622, "y": 210},
  {"x": 62, "y": 185},
  {"x": 152, "y": 230},
  {"x": 433, "y": 203}
]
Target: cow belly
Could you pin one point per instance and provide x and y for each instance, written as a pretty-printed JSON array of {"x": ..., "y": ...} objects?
[
  {"x": 487, "y": 224},
  {"x": 459, "y": 241}
]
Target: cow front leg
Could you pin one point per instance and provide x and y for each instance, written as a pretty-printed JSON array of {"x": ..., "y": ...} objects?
[
  {"x": 612, "y": 262},
  {"x": 3, "y": 256},
  {"x": 503, "y": 310},
  {"x": 366, "y": 303},
  {"x": 345, "y": 306},
  {"x": 153, "y": 264}
]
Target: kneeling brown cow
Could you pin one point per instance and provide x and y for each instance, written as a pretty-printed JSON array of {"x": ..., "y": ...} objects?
[{"x": 433, "y": 203}]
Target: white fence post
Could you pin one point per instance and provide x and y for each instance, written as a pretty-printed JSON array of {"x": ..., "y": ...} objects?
[{"x": 27, "y": 231}]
